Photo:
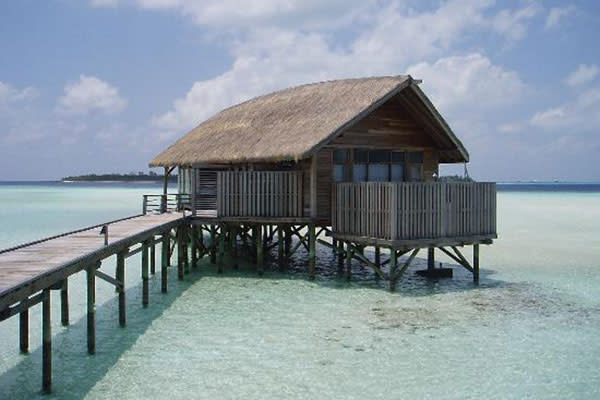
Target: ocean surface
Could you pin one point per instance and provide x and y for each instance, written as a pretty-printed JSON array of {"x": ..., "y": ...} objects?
[{"x": 529, "y": 330}]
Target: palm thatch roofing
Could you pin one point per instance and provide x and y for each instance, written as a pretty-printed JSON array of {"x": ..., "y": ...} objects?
[{"x": 294, "y": 123}]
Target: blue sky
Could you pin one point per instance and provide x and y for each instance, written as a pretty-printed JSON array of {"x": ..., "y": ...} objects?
[{"x": 104, "y": 85}]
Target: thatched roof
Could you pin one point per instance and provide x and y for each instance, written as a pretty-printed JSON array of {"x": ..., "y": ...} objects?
[{"x": 294, "y": 123}]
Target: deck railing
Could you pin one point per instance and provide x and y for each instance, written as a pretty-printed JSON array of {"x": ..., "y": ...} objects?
[
  {"x": 161, "y": 203},
  {"x": 406, "y": 211},
  {"x": 259, "y": 194}
]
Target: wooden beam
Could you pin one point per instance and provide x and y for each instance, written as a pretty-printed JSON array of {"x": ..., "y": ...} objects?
[
  {"x": 24, "y": 331},
  {"x": 313, "y": 186},
  {"x": 164, "y": 272},
  {"x": 145, "y": 275},
  {"x": 476, "y": 263},
  {"x": 121, "y": 278},
  {"x": 91, "y": 308},
  {"x": 46, "y": 343},
  {"x": 312, "y": 255},
  {"x": 259, "y": 249},
  {"x": 64, "y": 303},
  {"x": 107, "y": 278}
]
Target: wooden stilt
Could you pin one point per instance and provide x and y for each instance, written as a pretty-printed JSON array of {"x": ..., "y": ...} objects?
[
  {"x": 213, "y": 244},
  {"x": 221, "y": 246},
  {"x": 121, "y": 278},
  {"x": 194, "y": 234},
  {"x": 145, "y": 277},
  {"x": 46, "y": 343},
  {"x": 24, "y": 331},
  {"x": 152, "y": 256},
  {"x": 186, "y": 247},
  {"x": 334, "y": 243},
  {"x": 64, "y": 303},
  {"x": 312, "y": 254},
  {"x": 91, "y": 308},
  {"x": 164, "y": 273},
  {"x": 180, "y": 253},
  {"x": 340, "y": 255},
  {"x": 349, "y": 254},
  {"x": 233, "y": 247},
  {"x": 430, "y": 258},
  {"x": 259, "y": 249},
  {"x": 280, "y": 247},
  {"x": 476, "y": 263},
  {"x": 393, "y": 269},
  {"x": 287, "y": 241}
]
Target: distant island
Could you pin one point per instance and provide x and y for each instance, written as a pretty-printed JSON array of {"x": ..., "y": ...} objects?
[{"x": 131, "y": 177}]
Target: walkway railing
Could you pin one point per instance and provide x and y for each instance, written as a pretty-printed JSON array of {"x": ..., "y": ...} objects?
[
  {"x": 162, "y": 203},
  {"x": 259, "y": 194},
  {"x": 406, "y": 211}
]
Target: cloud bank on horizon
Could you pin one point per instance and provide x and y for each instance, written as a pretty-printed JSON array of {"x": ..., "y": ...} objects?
[{"x": 490, "y": 68}]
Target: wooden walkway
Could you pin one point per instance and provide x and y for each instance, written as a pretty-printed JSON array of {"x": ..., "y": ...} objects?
[{"x": 31, "y": 268}]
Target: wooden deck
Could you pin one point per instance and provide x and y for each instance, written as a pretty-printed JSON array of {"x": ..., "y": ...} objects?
[{"x": 31, "y": 268}]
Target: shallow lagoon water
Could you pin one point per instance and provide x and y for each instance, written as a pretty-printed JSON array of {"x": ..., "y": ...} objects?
[{"x": 529, "y": 330}]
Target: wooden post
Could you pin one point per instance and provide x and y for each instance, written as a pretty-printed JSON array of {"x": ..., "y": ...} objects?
[
  {"x": 145, "y": 277},
  {"x": 194, "y": 234},
  {"x": 313, "y": 186},
  {"x": 221, "y": 255},
  {"x": 393, "y": 268},
  {"x": 152, "y": 256},
  {"x": 233, "y": 247},
  {"x": 180, "y": 253},
  {"x": 280, "y": 247},
  {"x": 334, "y": 244},
  {"x": 46, "y": 343},
  {"x": 287, "y": 241},
  {"x": 164, "y": 273},
  {"x": 312, "y": 238},
  {"x": 213, "y": 244},
  {"x": 377, "y": 260},
  {"x": 185, "y": 237},
  {"x": 349, "y": 254},
  {"x": 91, "y": 308},
  {"x": 24, "y": 331},
  {"x": 476, "y": 263},
  {"x": 64, "y": 303},
  {"x": 121, "y": 278},
  {"x": 340, "y": 255},
  {"x": 259, "y": 249},
  {"x": 430, "y": 258}
]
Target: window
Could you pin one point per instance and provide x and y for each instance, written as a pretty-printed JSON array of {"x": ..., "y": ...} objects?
[
  {"x": 414, "y": 166},
  {"x": 340, "y": 165}
]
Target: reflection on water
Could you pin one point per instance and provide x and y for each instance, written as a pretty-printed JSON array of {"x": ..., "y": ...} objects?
[{"x": 529, "y": 330}]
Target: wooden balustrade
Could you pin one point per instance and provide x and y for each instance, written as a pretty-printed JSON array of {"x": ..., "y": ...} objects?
[
  {"x": 259, "y": 194},
  {"x": 419, "y": 210},
  {"x": 162, "y": 203}
]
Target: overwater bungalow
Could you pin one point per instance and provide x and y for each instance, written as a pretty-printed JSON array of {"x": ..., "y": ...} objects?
[{"x": 355, "y": 159}]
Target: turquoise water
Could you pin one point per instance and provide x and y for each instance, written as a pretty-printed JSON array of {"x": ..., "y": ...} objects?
[{"x": 531, "y": 328}]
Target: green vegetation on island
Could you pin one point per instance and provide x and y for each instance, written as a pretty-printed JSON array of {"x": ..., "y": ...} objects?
[{"x": 131, "y": 177}]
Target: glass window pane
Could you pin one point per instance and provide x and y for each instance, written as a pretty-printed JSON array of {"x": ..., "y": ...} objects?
[
  {"x": 397, "y": 173},
  {"x": 339, "y": 172},
  {"x": 340, "y": 156},
  {"x": 379, "y": 172},
  {"x": 379, "y": 156},
  {"x": 397, "y": 156},
  {"x": 359, "y": 173},
  {"x": 414, "y": 172},
  {"x": 415, "y": 156},
  {"x": 361, "y": 156}
]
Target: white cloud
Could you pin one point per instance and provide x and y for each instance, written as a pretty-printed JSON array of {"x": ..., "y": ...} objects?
[
  {"x": 395, "y": 37},
  {"x": 582, "y": 75},
  {"x": 556, "y": 14},
  {"x": 468, "y": 81},
  {"x": 90, "y": 94},
  {"x": 9, "y": 94},
  {"x": 580, "y": 115},
  {"x": 512, "y": 23}
]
